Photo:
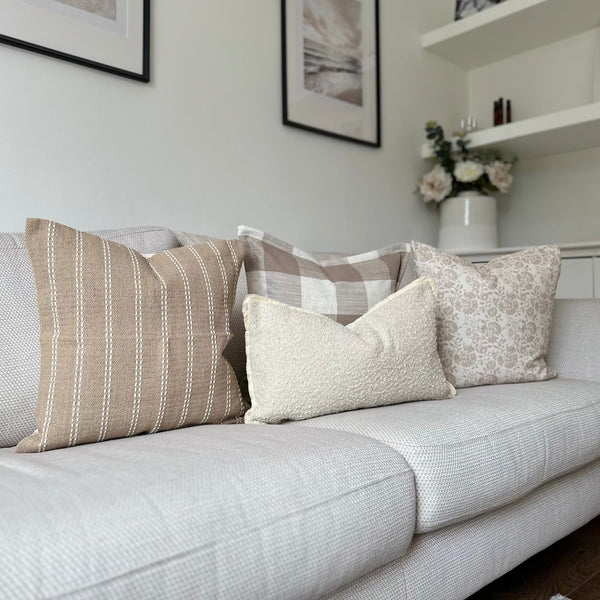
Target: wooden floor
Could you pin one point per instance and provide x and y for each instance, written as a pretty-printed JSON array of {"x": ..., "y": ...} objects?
[{"x": 570, "y": 567}]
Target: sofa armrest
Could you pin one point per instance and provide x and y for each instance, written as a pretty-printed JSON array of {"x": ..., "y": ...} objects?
[{"x": 575, "y": 340}]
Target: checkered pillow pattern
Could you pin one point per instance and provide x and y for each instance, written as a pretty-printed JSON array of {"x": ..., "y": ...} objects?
[{"x": 339, "y": 286}]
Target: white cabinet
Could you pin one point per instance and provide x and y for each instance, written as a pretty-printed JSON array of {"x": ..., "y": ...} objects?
[{"x": 579, "y": 272}]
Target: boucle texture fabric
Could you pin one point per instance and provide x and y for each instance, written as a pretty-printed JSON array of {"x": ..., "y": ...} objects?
[
  {"x": 302, "y": 364},
  {"x": 339, "y": 286},
  {"x": 20, "y": 329},
  {"x": 129, "y": 345},
  {"x": 494, "y": 321},
  {"x": 574, "y": 342},
  {"x": 488, "y": 446},
  {"x": 202, "y": 512},
  {"x": 235, "y": 352},
  {"x": 454, "y": 562}
]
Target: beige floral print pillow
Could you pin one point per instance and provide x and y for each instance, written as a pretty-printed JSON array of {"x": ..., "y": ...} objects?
[{"x": 493, "y": 321}]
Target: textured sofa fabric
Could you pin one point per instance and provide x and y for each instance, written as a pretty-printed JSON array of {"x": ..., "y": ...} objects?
[
  {"x": 454, "y": 562},
  {"x": 211, "y": 512},
  {"x": 488, "y": 446},
  {"x": 19, "y": 324},
  {"x": 574, "y": 351},
  {"x": 286, "y": 512}
]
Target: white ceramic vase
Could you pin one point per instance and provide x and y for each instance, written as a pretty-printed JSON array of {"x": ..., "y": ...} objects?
[{"x": 468, "y": 222}]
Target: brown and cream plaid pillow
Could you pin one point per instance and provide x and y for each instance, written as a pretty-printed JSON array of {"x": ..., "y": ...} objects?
[
  {"x": 338, "y": 286},
  {"x": 130, "y": 345}
]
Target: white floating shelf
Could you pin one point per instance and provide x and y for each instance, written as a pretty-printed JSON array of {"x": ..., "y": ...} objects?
[
  {"x": 509, "y": 28},
  {"x": 565, "y": 131}
]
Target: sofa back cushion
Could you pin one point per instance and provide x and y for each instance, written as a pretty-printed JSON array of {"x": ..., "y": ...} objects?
[
  {"x": 19, "y": 324},
  {"x": 575, "y": 340}
]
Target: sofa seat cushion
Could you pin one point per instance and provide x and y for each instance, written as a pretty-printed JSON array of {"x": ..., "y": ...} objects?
[
  {"x": 486, "y": 447},
  {"x": 215, "y": 511}
]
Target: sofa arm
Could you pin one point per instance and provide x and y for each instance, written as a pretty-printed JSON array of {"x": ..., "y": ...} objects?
[{"x": 575, "y": 340}]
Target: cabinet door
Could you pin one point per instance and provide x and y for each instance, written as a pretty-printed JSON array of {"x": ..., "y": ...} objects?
[
  {"x": 576, "y": 278},
  {"x": 597, "y": 277}
]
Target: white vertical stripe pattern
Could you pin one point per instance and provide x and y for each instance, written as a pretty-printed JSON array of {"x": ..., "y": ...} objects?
[
  {"x": 51, "y": 252},
  {"x": 213, "y": 334},
  {"x": 190, "y": 338},
  {"x": 76, "y": 407},
  {"x": 123, "y": 304},
  {"x": 224, "y": 278},
  {"x": 236, "y": 266},
  {"x": 137, "y": 386},
  {"x": 226, "y": 313},
  {"x": 108, "y": 340},
  {"x": 164, "y": 374}
]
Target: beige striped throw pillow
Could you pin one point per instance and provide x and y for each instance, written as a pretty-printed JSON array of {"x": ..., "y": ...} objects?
[{"x": 130, "y": 345}]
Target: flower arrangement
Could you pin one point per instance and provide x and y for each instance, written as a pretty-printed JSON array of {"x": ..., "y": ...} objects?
[{"x": 462, "y": 170}]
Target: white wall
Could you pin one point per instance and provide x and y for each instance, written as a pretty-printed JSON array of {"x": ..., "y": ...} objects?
[
  {"x": 544, "y": 80},
  {"x": 556, "y": 198},
  {"x": 202, "y": 147}
]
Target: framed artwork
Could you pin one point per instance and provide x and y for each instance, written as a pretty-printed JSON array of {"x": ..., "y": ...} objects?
[
  {"x": 464, "y": 8},
  {"x": 330, "y": 68},
  {"x": 110, "y": 35}
]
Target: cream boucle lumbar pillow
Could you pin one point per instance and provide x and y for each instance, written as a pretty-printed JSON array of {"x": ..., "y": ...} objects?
[
  {"x": 302, "y": 364},
  {"x": 493, "y": 321}
]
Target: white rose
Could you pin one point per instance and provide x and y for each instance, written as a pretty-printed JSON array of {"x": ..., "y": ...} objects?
[
  {"x": 499, "y": 175},
  {"x": 435, "y": 185},
  {"x": 467, "y": 171}
]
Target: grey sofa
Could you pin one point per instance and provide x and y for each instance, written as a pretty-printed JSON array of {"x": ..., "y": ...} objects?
[{"x": 420, "y": 501}]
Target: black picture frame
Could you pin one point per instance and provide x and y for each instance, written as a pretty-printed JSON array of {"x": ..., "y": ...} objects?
[
  {"x": 141, "y": 71},
  {"x": 350, "y": 110},
  {"x": 466, "y": 8}
]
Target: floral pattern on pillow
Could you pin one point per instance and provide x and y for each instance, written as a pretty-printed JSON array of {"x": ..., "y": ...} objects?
[{"x": 494, "y": 320}]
